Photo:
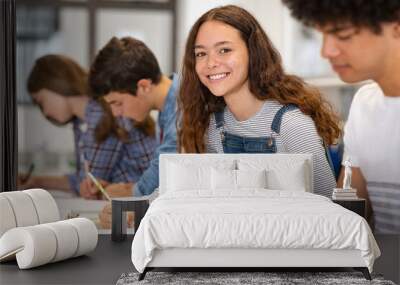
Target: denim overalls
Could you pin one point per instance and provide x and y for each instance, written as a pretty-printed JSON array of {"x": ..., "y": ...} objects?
[{"x": 237, "y": 144}]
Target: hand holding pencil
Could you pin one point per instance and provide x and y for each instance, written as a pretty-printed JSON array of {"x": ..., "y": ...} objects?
[
  {"x": 99, "y": 186},
  {"x": 89, "y": 190}
]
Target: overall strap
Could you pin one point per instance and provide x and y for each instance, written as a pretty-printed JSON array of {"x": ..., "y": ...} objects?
[
  {"x": 277, "y": 121},
  {"x": 219, "y": 119},
  {"x": 276, "y": 127}
]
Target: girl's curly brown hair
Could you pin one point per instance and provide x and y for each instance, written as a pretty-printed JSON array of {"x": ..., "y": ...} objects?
[{"x": 267, "y": 81}]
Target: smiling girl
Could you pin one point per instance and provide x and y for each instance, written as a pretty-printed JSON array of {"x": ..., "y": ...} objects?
[{"x": 236, "y": 98}]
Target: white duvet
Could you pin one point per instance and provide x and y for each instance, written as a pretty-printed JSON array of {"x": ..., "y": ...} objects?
[{"x": 252, "y": 218}]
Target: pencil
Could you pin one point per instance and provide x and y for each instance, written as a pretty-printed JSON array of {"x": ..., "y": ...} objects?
[
  {"x": 85, "y": 164},
  {"x": 99, "y": 186}
]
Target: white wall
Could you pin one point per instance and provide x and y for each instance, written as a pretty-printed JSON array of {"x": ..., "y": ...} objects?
[
  {"x": 152, "y": 27},
  {"x": 74, "y": 30}
]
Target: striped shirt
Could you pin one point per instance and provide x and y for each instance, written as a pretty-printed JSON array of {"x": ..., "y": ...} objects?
[
  {"x": 385, "y": 199},
  {"x": 298, "y": 135}
]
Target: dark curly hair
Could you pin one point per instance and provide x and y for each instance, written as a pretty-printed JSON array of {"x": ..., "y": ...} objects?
[{"x": 360, "y": 13}]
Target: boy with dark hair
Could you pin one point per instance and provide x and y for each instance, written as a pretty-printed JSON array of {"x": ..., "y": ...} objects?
[
  {"x": 361, "y": 39},
  {"x": 126, "y": 74}
]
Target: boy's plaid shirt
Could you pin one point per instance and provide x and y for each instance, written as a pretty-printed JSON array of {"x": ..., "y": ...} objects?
[{"x": 111, "y": 160}]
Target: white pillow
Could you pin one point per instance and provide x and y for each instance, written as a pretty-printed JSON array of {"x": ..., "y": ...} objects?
[
  {"x": 292, "y": 179},
  {"x": 183, "y": 177},
  {"x": 227, "y": 179},
  {"x": 223, "y": 179},
  {"x": 288, "y": 174},
  {"x": 251, "y": 178}
]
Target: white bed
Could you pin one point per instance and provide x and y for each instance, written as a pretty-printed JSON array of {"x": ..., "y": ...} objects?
[{"x": 201, "y": 219}]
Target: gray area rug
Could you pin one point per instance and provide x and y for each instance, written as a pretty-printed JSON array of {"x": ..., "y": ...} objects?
[{"x": 273, "y": 278}]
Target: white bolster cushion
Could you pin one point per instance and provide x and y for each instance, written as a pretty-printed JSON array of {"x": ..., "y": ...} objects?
[
  {"x": 23, "y": 208},
  {"x": 67, "y": 240},
  {"x": 40, "y": 244},
  {"x": 87, "y": 235},
  {"x": 45, "y": 205},
  {"x": 26, "y": 208},
  {"x": 33, "y": 246},
  {"x": 7, "y": 218}
]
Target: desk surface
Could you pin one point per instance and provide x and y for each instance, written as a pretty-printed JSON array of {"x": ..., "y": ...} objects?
[
  {"x": 102, "y": 266},
  {"x": 110, "y": 259}
]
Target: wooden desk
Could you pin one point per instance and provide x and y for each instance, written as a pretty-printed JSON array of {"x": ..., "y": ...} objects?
[{"x": 110, "y": 259}]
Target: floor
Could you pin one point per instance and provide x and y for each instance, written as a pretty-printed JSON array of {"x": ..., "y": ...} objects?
[{"x": 110, "y": 259}]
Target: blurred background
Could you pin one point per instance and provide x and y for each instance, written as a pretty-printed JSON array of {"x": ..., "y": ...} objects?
[{"x": 79, "y": 28}]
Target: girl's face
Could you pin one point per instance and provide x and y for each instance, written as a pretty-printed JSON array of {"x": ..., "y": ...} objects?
[
  {"x": 53, "y": 105},
  {"x": 222, "y": 59}
]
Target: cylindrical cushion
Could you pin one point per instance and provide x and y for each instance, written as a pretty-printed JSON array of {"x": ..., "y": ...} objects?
[
  {"x": 40, "y": 244},
  {"x": 87, "y": 235},
  {"x": 36, "y": 245},
  {"x": 67, "y": 239},
  {"x": 45, "y": 205},
  {"x": 7, "y": 217},
  {"x": 23, "y": 207}
]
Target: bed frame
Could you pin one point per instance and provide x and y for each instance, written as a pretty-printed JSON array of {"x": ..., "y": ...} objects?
[{"x": 248, "y": 259}]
